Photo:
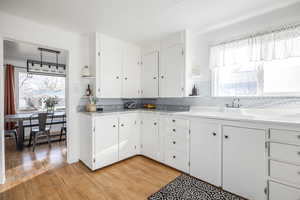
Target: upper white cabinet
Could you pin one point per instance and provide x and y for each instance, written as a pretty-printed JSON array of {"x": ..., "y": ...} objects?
[
  {"x": 116, "y": 66},
  {"x": 206, "y": 151},
  {"x": 129, "y": 135},
  {"x": 131, "y": 71},
  {"x": 172, "y": 67},
  {"x": 244, "y": 164},
  {"x": 149, "y": 75}
]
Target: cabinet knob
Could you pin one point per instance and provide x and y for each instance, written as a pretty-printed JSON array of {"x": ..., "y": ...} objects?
[
  {"x": 298, "y": 136},
  {"x": 98, "y": 89},
  {"x": 174, "y": 130},
  {"x": 162, "y": 77},
  {"x": 117, "y": 77},
  {"x": 125, "y": 78},
  {"x": 174, "y": 157},
  {"x": 114, "y": 126},
  {"x": 174, "y": 142},
  {"x": 173, "y": 120},
  {"x": 214, "y": 133},
  {"x": 155, "y": 123},
  {"x": 154, "y": 77},
  {"x": 299, "y": 153},
  {"x": 122, "y": 125},
  {"x": 226, "y": 136}
]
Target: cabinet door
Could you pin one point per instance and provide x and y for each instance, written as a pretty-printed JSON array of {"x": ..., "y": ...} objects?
[
  {"x": 111, "y": 59},
  {"x": 131, "y": 72},
  {"x": 244, "y": 162},
  {"x": 150, "y": 136},
  {"x": 172, "y": 72},
  {"x": 105, "y": 141},
  {"x": 205, "y": 154},
  {"x": 149, "y": 75},
  {"x": 128, "y": 136}
]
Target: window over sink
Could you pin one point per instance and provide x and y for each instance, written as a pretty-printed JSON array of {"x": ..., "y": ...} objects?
[{"x": 262, "y": 65}]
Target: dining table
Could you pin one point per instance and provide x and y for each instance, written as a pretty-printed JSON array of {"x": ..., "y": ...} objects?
[{"x": 22, "y": 118}]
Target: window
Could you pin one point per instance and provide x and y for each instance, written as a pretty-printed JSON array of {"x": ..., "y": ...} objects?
[
  {"x": 31, "y": 89},
  {"x": 264, "y": 65}
]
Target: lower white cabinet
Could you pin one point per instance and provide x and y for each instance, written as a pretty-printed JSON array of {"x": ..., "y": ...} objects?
[
  {"x": 244, "y": 162},
  {"x": 206, "y": 151},
  {"x": 282, "y": 192},
  {"x": 176, "y": 145},
  {"x": 150, "y": 136},
  {"x": 129, "y": 135},
  {"x": 99, "y": 143},
  {"x": 105, "y": 141}
]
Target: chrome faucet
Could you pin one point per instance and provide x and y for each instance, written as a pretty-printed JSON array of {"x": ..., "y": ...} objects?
[{"x": 234, "y": 104}]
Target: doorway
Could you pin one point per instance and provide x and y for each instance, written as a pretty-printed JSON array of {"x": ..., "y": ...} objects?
[{"x": 34, "y": 86}]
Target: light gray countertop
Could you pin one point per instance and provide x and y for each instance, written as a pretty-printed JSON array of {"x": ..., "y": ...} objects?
[{"x": 243, "y": 115}]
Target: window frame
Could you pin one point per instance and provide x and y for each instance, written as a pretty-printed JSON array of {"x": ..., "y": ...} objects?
[
  {"x": 24, "y": 109},
  {"x": 259, "y": 94}
]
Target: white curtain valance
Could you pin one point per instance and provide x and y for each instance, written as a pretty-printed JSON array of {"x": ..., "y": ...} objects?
[{"x": 267, "y": 47}]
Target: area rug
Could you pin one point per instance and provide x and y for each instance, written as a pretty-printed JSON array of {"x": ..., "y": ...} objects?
[{"x": 185, "y": 187}]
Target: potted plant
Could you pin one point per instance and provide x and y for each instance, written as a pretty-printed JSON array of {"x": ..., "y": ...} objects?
[
  {"x": 50, "y": 103},
  {"x": 91, "y": 106}
]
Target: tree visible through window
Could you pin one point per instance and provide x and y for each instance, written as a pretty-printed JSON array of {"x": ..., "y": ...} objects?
[{"x": 34, "y": 88}]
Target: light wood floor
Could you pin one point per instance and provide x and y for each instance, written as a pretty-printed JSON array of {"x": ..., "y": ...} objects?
[
  {"x": 23, "y": 165},
  {"x": 133, "y": 179}
]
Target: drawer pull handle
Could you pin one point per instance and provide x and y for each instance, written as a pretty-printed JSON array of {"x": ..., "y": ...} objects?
[
  {"x": 173, "y": 120},
  {"x": 174, "y": 130},
  {"x": 174, "y": 157},
  {"x": 174, "y": 142},
  {"x": 155, "y": 123},
  {"x": 226, "y": 136},
  {"x": 214, "y": 133}
]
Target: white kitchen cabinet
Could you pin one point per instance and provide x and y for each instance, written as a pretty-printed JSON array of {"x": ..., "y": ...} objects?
[
  {"x": 149, "y": 75},
  {"x": 172, "y": 71},
  {"x": 110, "y": 60},
  {"x": 244, "y": 164},
  {"x": 129, "y": 135},
  {"x": 99, "y": 141},
  {"x": 205, "y": 154},
  {"x": 105, "y": 141},
  {"x": 150, "y": 136},
  {"x": 131, "y": 87},
  {"x": 283, "y": 192},
  {"x": 176, "y": 146},
  {"x": 116, "y": 65}
]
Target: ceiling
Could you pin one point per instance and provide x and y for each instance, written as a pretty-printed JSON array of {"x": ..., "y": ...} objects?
[
  {"x": 138, "y": 20},
  {"x": 17, "y": 51}
]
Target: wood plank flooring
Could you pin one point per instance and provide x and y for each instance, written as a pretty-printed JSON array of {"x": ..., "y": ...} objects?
[
  {"x": 132, "y": 179},
  {"x": 24, "y": 165}
]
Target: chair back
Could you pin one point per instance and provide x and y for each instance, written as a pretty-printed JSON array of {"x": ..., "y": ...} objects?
[{"x": 42, "y": 118}]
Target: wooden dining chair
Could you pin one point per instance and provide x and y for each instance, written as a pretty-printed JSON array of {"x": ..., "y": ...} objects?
[
  {"x": 63, "y": 130},
  {"x": 42, "y": 130},
  {"x": 12, "y": 133}
]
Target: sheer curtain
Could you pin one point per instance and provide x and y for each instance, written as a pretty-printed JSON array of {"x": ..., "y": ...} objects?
[
  {"x": 238, "y": 66},
  {"x": 271, "y": 46}
]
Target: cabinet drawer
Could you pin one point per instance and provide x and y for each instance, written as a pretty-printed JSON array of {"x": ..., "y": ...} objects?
[
  {"x": 176, "y": 143},
  {"x": 177, "y": 159},
  {"x": 285, "y": 172},
  {"x": 176, "y": 123},
  {"x": 285, "y": 152},
  {"x": 282, "y": 192},
  {"x": 177, "y": 132},
  {"x": 285, "y": 135}
]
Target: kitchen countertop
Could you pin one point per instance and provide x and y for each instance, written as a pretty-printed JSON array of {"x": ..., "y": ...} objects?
[{"x": 279, "y": 116}]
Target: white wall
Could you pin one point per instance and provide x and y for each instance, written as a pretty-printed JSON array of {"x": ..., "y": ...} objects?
[
  {"x": 24, "y": 30},
  {"x": 2, "y": 164}
]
